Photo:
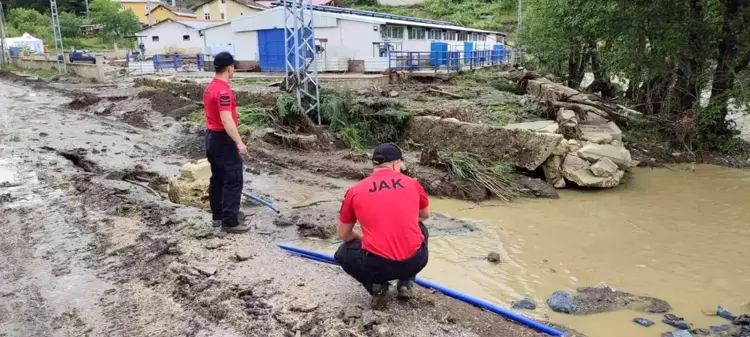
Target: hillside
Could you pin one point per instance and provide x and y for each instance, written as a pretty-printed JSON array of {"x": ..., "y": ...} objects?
[{"x": 498, "y": 15}]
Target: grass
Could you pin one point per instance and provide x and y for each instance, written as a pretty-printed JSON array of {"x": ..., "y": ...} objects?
[
  {"x": 501, "y": 113},
  {"x": 360, "y": 122},
  {"x": 488, "y": 77},
  {"x": 497, "y": 178},
  {"x": 197, "y": 116},
  {"x": 46, "y": 74}
]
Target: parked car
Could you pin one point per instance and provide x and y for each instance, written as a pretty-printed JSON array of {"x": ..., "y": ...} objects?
[{"x": 81, "y": 56}]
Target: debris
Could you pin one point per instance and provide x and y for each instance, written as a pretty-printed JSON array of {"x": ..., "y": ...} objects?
[
  {"x": 206, "y": 269},
  {"x": 493, "y": 257},
  {"x": 643, "y": 321},
  {"x": 525, "y": 304},
  {"x": 438, "y": 91},
  {"x": 303, "y": 306},
  {"x": 725, "y": 314},
  {"x": 144, "y": 186},
  {"x": 561, "y": 301},
  {"x": 243, "y": 254},
  {"x": 679, "y": 324}
]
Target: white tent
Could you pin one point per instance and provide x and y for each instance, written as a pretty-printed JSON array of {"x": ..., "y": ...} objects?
[{"x": 33, "y": 44}]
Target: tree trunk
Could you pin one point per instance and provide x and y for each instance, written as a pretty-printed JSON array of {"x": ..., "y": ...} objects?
[{"x": 601, "y": 82}]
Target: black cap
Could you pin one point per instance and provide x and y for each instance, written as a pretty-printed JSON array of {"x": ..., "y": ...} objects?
[
  {"x": 223, "y": 59},
  {"x": 385, "y": 153}
]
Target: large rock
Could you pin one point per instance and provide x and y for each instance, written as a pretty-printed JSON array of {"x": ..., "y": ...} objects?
[
  {"x": 604, "y": 168},
  {"x": 553, "y": 171},
  {"x": 538, "y": 126},
  {"x": 578, "y": 171},
  {"x": 191, "y": 186},
  {"x": 600, "y": 132},
  {"x": 512, "y": 146},
  {"x": 561, "y": 301},
  {"x": 569, "y": 124},
  {"x": 619, "y": 155}
]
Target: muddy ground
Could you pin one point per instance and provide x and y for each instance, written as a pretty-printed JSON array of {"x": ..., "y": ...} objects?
[{"x": 88, "y": 250}]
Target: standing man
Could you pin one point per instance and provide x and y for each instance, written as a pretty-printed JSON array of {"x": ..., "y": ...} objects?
[
  {"x": 389, "y": 207},
  {"x": 224, "y": 147}
]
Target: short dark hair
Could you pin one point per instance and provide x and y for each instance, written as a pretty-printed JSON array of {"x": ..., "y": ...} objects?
[{"x": 221, "y": 70}]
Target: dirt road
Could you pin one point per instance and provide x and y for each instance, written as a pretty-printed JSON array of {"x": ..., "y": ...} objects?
[{"x": 86, "y": 252}]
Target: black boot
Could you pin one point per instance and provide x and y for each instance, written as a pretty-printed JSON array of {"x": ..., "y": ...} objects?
[
  {"x": 404, "y": 289},
  {"x": 379, "y": 296}
]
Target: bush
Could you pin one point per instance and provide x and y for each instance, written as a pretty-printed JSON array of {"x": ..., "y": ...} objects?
[{"x": 497, "y": 178}]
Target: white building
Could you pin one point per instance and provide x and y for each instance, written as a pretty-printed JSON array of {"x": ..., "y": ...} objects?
[
  {"x": 170, "y": 36},
  {"x": 356, "y": 37}
]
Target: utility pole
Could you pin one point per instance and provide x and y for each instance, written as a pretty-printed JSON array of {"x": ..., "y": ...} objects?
[
  {"x": 518, "y": 53},
  {"x": 148, "y": 12},
  {"x": 88, "y": 16},
  {"x": 300, "y": 55},
  {"x": 59, "y": 52},
  {"x": 4, "y": 54}
]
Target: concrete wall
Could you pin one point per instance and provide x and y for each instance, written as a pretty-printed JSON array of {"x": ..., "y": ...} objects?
[
  {"x": 219, "y": 38},
  {"x": 170, "y": 39},
  {"x": 95, "y": 71}
]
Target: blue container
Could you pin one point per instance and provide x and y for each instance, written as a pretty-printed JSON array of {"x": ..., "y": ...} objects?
[{"x": 14, "y": 51}]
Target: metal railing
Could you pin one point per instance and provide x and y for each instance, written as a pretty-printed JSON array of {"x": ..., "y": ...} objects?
[{"x": 447, "y": 60}]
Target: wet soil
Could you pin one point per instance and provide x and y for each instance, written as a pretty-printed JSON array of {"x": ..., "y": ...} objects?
[{"x": 85, "y": 251}]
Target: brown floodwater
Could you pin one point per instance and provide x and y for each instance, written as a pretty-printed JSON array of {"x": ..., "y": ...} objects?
[{"x": 680, "y": 234}]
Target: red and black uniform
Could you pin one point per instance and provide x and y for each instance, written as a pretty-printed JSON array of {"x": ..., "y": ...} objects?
[
  {"x": 394, "y": 242},
  {"x": 225, "y": 187}
]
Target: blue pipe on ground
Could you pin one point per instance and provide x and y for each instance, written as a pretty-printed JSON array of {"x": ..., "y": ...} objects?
[
  {"x": 320, "y": 257},
  {"x": 261, "y": 201}
]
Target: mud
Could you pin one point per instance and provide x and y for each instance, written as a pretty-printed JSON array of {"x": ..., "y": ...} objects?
[{"x": 85, "y": 252}]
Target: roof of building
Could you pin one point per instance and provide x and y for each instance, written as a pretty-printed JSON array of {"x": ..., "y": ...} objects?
[
  {"x": 177, "y": 10},
  {"x": 249, "y": 3},
  {"x": 194, "y": 24},
  {"x": 382, "y": 18}
]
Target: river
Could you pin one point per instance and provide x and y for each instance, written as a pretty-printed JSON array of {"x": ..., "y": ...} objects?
[{"x": 680, "y": 234}]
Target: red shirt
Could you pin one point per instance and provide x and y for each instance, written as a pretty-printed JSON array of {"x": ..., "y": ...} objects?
[
  {"x": 387, "y": 205},
  {"x": 218, "y": 97}
]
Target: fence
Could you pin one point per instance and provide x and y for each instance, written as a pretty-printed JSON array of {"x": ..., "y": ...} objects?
[
  {"x": 162, "y": 62},
  {"x": 447, "y": 60}
]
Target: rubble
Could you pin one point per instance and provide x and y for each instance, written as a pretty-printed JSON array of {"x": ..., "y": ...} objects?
[{"x": 191, "y": 186}]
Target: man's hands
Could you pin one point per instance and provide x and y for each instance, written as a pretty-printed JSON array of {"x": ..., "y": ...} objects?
[{"x": 242, "y": 148}]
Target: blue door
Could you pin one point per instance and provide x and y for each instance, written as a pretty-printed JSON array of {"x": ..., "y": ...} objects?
[
  {"x": 469, "y": 53},
  {"x": 271, "y": 49},
  {"x": 438, "y": 53}
]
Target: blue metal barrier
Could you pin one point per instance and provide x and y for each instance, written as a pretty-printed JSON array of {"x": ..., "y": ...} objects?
[
  {"x": 161, "y": 62},
  {"x": 439, "y": 58}
]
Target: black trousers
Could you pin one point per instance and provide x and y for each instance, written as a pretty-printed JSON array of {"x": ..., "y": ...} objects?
[
  {"x": 225, "y": 187},
  {"x": 369, "y": 269}
]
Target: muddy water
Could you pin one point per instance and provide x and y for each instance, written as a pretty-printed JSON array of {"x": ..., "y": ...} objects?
[{"x": 680, "y": 234}]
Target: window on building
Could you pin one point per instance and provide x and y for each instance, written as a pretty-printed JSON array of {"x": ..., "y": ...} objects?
[
  {"x": 222, "y": 16},
  {"x": 482, "y": 37},
  {"x": 500, "y": 39},
  {"x": 417, "y": 33},
  {"x": 154, "y": 39},
  {"x": 186, "y": 38},
  {"x": 435, "y": 34},
  {"x": 463, "y": 36},
  {"x": 450, "y": 35},
  {"x": 207, "y": 16},
  {"x": 391, "y": 32}
]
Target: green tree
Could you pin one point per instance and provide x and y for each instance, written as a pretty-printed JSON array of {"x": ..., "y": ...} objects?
[
  {"x": 70, "y": 25},
  {"x": 25, "y": 20},
  {"x": 116, "y": 23}
]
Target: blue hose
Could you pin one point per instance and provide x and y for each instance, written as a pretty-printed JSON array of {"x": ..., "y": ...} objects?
[
  {"x": 445, "y": 291},
  {"x": 261, "y": 201}
]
